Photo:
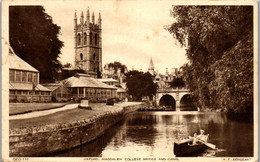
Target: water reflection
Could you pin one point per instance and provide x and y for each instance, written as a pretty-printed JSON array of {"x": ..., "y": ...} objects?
[{"x": 151, "y": 134}]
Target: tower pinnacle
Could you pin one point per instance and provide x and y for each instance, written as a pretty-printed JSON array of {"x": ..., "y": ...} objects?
[
  {"x": 75, "y": 20},
  {"x": 93, "y": 18},
  {"x": 75, "y": 16},
  {"x": 99, "y": 19},
  {"x": 88, "y": 16},
  {"x": 82, "y": 18}
]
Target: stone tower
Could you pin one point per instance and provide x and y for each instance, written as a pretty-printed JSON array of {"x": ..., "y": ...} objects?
[{"x": 88, "y": 44}]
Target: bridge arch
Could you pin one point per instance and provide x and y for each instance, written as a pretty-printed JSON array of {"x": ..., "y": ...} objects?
[
  {"x": 167, "y": 100},
  {"x": 182, "y": 94},
  {"x": 186, "y": 103}
]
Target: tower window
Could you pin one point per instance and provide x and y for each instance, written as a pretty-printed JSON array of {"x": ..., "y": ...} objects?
[
  {"x": 94, "y": 56},
  {"x": 90, "y": 38},
  {"x": 85, "y": 38},
  {"x": 94, "y": 69},
  {"x": 96, "y": 39},
  {"x": 81, "y": 56},
  {"x": 79, "y": 39}
]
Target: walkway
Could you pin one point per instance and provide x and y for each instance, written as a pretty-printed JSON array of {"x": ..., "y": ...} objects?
[
  {"x": 95, "y": 106},
  {"x": 43, "y": 112}
]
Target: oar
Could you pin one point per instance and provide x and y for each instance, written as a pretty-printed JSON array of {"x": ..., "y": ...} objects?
[
  {"x": 186, "y": 141},
  {"x": 210, "y": 145}
]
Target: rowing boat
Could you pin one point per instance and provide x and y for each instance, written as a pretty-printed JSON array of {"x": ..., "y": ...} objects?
[{"x": 180, "y": 149}]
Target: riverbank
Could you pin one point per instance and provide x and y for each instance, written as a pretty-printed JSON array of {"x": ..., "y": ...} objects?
[
  {"x": 236, "y": 116},
  {"x": 64, "y": 130},
  {"x": 166, "y": 108}
]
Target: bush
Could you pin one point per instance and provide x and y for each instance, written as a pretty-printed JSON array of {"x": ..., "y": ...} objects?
[{"x": 110, "y": 101}]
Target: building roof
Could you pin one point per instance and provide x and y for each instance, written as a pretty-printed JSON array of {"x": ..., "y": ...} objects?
[
  {"x": 17, "y": 63},
  {"x": 52, "y": 86},
  {"x": 157, "y": 76},
  {"x": 85, "y": 81},
  {"x": 108, "y": 80},
  {"x": 26, "y": 86},
  {"x": 121, "y": 90},
  {"x": 39, "y": 87}
]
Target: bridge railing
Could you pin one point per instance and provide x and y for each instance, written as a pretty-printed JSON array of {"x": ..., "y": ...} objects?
[{"x": 172, "y": 89}]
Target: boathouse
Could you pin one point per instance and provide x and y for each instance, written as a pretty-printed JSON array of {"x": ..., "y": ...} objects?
[{"x": 85, "y": 86}]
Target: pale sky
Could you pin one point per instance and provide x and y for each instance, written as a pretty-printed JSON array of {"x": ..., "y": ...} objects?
[{"x": 132, "y": 32}]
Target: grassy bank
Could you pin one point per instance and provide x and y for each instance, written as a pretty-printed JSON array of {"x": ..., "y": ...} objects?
[{"x": 65, "y": 116}]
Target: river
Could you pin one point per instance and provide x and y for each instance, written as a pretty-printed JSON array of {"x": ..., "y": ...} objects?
[{"x": 151, "y": 134}]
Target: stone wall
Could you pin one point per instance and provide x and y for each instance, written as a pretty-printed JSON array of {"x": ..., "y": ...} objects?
[{"x": 39, "y": 141}]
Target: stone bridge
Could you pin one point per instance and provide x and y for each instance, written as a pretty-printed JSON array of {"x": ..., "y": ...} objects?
[{"x": 173, "y": 97}]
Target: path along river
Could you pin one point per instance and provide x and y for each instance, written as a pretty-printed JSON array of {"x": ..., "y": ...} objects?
[{"x": 151, "y": 134}]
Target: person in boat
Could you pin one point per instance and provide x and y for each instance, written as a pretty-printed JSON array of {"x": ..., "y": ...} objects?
[
  {"x": 196, "y": 139},
  {"x": 201, "y": 137},
  {"x": 193, "y": 140}
]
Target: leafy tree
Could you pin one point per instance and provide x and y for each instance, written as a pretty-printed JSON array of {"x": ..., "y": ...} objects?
[
  {"x": 34, "y": 38},
  {"x": 177, "y": 82},
  {"x": 219, "y": 42},
  {"x": 67, "y": 65},
  {"x": 118, "y": 65},
  {"x": 140, "y": 84},
  {"x": 66, "y": 73}
]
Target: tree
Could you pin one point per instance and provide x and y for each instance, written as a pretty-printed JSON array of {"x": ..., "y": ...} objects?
[
  {"x": 34, "y": 38},
  {"x": 140, "y": 84},
  {"x": 67, "y": 65},
  {"x": 118, "y": 65},
  {"x": 219, "y": 42},
  {"x": 177, "y": 82}
]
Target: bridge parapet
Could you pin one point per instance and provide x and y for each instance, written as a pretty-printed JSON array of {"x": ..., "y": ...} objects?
[{"x": 169, "y": 90}]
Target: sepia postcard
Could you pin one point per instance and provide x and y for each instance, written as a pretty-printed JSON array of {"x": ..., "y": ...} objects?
[{"x": 129, "y": 80}]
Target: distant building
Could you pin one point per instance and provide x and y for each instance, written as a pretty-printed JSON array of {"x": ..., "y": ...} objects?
[
  {"x": 24, "y": 82},
  {"x": 117, "y": 74},
  {"x": 88, "y": 44},
  {"x": 163, "y": 80},
  {"x": 85, "y": 86},
  {"x": 59, "y": 92},
  {"x": 121, "y": 92}
]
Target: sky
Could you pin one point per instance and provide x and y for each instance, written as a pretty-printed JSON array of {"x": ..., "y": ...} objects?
[{"x": 132, "y": 33}]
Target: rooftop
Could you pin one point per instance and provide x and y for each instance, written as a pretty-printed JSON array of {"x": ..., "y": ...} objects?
[
  {"x": 27, "y": 86},
  {"x": 52, "y": 86},
  {"x": 83, "y": 80}
]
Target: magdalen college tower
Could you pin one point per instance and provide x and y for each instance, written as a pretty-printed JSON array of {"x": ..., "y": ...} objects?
[{"x": 88, "y": 44}]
